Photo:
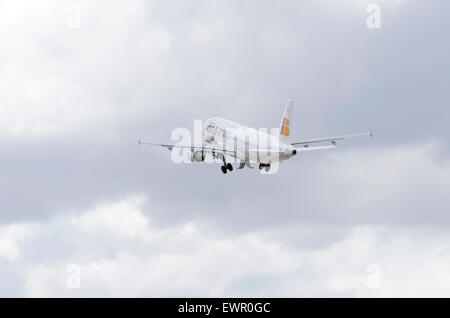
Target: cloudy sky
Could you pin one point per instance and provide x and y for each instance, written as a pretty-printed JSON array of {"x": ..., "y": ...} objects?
[{"x": 85, "y": 212}]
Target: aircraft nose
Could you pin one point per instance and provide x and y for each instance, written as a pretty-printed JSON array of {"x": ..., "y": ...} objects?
[{"x": 294, "y": 152}]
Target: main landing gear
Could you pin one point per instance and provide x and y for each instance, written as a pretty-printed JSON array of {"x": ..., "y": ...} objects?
[
  {"x": 226, "y": 167},
  {"x": 265, "y": 166}
]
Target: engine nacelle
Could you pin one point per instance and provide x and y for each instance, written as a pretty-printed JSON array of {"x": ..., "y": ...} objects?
[{"x": 198, "y": 156}]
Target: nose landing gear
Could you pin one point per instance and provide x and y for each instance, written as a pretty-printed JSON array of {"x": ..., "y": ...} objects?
[{"x": 265, "y": 166}]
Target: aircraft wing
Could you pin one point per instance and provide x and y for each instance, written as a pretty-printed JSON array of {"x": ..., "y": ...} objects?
[
  {"x": 170, "y": 147},
  {"x": 304, "y": 144}
]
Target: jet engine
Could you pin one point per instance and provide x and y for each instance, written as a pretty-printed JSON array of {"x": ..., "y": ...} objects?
[{"x": 198, "y": 156}]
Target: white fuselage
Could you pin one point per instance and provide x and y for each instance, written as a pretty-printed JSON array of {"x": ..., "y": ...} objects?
[{"x": 245, "y": 143}]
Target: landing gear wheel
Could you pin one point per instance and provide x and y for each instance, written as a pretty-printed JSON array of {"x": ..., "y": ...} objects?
[
  {"x": 267, "y": 168},
  {"x": 224, "y": 169},
  {"x": 229, "y": 167}
]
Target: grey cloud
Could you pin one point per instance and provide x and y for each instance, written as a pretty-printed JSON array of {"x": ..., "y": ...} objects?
[{"x": 140, "y": 69}]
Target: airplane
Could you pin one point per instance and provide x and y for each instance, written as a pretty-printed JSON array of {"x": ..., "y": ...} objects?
[{"x": 222, "y": 138}]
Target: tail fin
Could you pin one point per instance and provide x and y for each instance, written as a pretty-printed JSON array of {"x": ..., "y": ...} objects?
[{"x": 286, "y": 121}]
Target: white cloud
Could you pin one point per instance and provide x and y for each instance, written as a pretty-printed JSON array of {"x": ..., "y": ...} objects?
[
  {"x": 121, "y": 254},
  {"x": 205, "y": 32},
  {"x": 362, "y": 4},
  {"x": 123, "y": 219},
  {"x": 253, "y": 265},
  {"x": 59, "y": 78},
  {"x": 10, "y": 238},
  {"x": 145, "y": 259}
]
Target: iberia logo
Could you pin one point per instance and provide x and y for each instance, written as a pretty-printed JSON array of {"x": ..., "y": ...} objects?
[{"x": 285, "y": 127}]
